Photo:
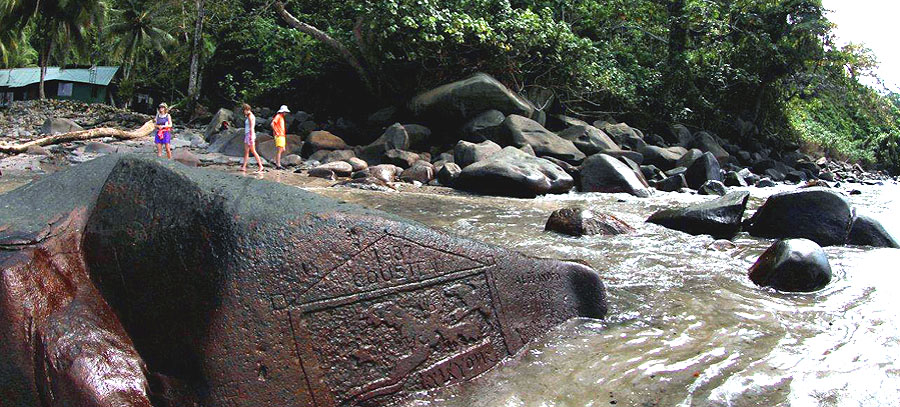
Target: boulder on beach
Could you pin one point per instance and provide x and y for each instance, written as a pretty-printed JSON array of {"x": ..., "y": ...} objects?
[
  {"x": 793, "y": 265},
  {"x": 448, "y": 173},
  {"x": 486, "y": 126},
  {"x": 817, "y": 214},
  {"x": 231, "y": 142},
  {"x": 138, "y": 271},
  {"x": 322, "y": 140},
  {"x": 673, "y": 183},
  {"x": 712, "y": 187},
  {"x": 459, "y": 101},
  {"x": 522, "y": 131},
  {"x": 588, "y": 139},
  {"x": 339, "y": 168},
  {"x": 400, "y": 158},
  {"x": 664, "y": 158},
  {"x": 868, "y": 231},
  {"x": 577, "y": 221},
  {"x": 720, "y": 218},
  {"x": 384, "y": 172},
  {"x": 703, "y": 169},
  {"x": 606, "y": 174},
  {"x": 59, "y": 125},
  {"x": 217, "y": 122},
  {"x": 514, "y": 173},
  {"x": 421, "y": 171},
  {"x": 466, "y": 153},
  {"x": 394, "y": 137},
  {"x": 267, "y": 149}
]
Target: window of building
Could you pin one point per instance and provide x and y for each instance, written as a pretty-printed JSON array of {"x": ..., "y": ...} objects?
[{"x": 65, "y": 89}]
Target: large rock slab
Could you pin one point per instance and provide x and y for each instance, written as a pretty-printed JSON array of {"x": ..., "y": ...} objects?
[
  {"x": 606, "y": 174},
  {"x": 793, "y": 265},
  {"x": 817, "y": 214},
  {"x": 459, "y": 101},
  {"x": 868, "y": 231},
  {"x": 486, "y": 126},
  {"x": 466, "y": 153},
  {"x": 217, "y": 122},
  {"x": 58, "y": 125},
  {"x": 231, "y": 142},
  {"x": 721, "y": 217},
  {"x": 706, "y": 168},
  {"x": 242, "y": 292},
  {"x": 522, "y": 131},
  {"x": 589, "y": 139},
  {"x": 512, "y": 172}
]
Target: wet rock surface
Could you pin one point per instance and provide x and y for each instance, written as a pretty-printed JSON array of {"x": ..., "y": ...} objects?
[
  {"x": 578, "y": 221},
  {"x": 217, "y": 285},
  {"x": 514, "y": 173},
  {"x": 720, "y": 218},
  {"x": 793, "y": 265},
  {"x": 603, "y": 173},
  {"x": 868, "y": 231},
  {"x": 817, "y": 214}
]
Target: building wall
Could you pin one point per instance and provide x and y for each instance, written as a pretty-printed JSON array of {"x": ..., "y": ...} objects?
[{"x": 83, "y": 92}]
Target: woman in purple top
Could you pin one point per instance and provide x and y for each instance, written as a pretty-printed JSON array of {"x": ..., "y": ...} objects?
[{"x": 163, "y": 130}]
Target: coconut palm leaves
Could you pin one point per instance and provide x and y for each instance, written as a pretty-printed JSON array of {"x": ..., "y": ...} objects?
[{"x": 134, "y": 31}]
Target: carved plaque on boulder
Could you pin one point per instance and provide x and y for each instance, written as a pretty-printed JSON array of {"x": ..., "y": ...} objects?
[{"x": 248, "y": 293}]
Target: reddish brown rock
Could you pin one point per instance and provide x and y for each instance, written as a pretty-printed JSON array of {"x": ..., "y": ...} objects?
[{"x": 242, "y": 292}]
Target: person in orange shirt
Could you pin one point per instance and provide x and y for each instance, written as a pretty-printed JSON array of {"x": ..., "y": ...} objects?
[{"x": 278, "y": 131}]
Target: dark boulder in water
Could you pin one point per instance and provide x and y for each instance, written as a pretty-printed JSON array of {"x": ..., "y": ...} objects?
[
  {"x": 817, "y": 214},
  {"x": 794, "y": 265},
  {"x": 867, "y": 231},
  {"x": 511, "y": 172},
  {"x": 720, "y": 218},
  {"x": 577, "y": 221},
  {"x": 243, "y": 292},
  {"x": 603, "y": 173}
]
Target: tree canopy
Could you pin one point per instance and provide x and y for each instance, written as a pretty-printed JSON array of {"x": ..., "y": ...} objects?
[{"x": 767, "y": 70}]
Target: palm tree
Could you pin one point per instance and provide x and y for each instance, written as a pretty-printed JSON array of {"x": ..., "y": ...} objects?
[
  {"x": 59, "y": 26},
  {"x": 134, "y": 30}
]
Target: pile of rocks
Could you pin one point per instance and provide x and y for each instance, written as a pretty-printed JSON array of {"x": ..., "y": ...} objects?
[
  {"x": 28, "y": 119},
  {"x": 494, "y": 141}
]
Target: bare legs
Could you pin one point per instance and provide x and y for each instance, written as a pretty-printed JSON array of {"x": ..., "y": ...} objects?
[
  {"x": 159, "y": 148},
  {"x": 278, "y": 157},
  {"x": 251, "y": 148}
]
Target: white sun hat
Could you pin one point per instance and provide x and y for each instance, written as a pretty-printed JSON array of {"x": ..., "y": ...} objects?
[{"x": 284, "y": 109}]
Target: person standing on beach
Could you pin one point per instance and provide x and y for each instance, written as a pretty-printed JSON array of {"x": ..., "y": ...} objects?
[
  {"x": 250, "y": 138},
  {"x": 280, "y": 134},
  {"x": 163, "y": 122}
]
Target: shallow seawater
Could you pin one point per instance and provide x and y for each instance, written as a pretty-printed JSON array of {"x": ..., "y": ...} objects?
[{"x": 686, "y": 326}]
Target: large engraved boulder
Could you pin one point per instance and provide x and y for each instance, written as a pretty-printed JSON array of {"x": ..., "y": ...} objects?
[{"x": 137, "y": 276}]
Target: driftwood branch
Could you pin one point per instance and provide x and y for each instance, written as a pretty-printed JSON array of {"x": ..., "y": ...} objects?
[
  {"x": 144, "y": 131},
  {"x": 326, "y": 39}
]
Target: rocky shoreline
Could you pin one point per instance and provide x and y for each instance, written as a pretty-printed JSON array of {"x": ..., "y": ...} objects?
[{"x": 477, "y": 136}]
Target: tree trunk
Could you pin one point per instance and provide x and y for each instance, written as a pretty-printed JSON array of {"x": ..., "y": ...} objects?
[
  {"x": 144, "y": 131},
  {"x": 331, "y": 42},
  {"x": 45, "y": 55},
  {"x": 194, "y": 78}
]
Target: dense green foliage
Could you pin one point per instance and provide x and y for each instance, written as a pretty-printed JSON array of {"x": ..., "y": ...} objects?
[{"x": 711, "y": 64}]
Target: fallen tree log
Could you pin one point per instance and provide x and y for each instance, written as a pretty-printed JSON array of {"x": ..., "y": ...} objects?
[{"x": 143, "y": 131}]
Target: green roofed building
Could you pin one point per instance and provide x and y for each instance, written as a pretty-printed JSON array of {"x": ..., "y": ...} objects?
[{"x": 91, "y": 85}]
